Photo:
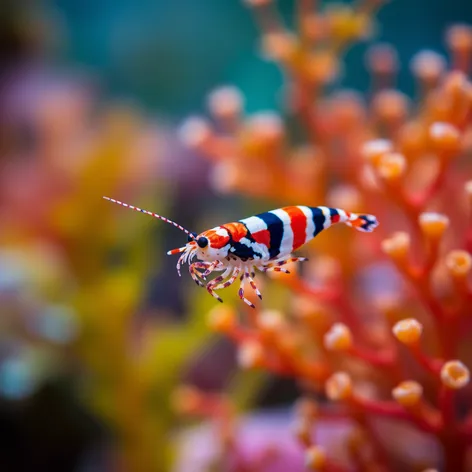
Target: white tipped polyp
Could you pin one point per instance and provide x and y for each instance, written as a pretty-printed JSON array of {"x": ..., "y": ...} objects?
[
  {"x": 376, "y": 147},
  {"x": 440, "y": 130},
  {"x": 433, "y": 217},
  {"x": 267, "y": 123},
  {"x": 226, "y": 101},
  {"x": 468, "y": 187},
  {"x": 428, "y": 63},
  {"x": 194, "y": 131}
]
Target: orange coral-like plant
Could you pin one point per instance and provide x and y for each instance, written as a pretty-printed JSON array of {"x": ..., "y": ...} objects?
[{"x": 350, "y": 340}]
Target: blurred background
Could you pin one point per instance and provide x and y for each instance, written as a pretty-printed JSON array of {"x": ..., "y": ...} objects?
[{"x": 96, "y": 328}]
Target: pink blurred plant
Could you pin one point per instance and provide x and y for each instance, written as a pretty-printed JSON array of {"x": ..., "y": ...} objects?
[{"x": 72, "y": 272}]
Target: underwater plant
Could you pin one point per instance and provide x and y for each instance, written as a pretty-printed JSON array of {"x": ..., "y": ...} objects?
[{"x": 375, "y": 331}]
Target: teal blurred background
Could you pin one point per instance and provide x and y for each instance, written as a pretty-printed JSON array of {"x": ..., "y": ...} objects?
[
  {"x": 167, "y": 55},
  {"x": 68, "y": 390}
]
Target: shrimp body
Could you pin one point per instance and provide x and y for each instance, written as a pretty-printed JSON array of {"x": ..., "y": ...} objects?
[{"x": 262, "y": 242}]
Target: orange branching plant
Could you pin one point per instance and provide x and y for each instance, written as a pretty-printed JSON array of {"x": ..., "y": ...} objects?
[{"x": 372, "y": 328}]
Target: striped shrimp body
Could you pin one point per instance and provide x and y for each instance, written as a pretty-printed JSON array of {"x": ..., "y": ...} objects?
[{"x": 263, "y": 242}]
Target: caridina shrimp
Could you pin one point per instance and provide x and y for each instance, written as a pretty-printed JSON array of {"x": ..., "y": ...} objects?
[{"x": 262, "y": 242}]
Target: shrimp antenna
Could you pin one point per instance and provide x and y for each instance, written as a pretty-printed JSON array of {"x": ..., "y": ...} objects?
[{"x": 155, "y": 215}]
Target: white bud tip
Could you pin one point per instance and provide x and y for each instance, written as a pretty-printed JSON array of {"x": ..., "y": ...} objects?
[
  {"x": 194, "y": 131},
  {"x": 440, "y": 130},
  {"x": 377, "y": 147},
  {"x": 433, "y": 217}
]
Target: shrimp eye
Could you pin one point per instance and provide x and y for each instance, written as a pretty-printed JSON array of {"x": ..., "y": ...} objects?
[
  {"x": 202, "y": 242},
  {"x": 191, "y": 237}
]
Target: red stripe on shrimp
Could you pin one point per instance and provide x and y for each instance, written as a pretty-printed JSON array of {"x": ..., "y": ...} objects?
[
  {"x": 298, "y": 225},
  {"x": 262, "y": 237},
  {"x": 335, "y": 217}
]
